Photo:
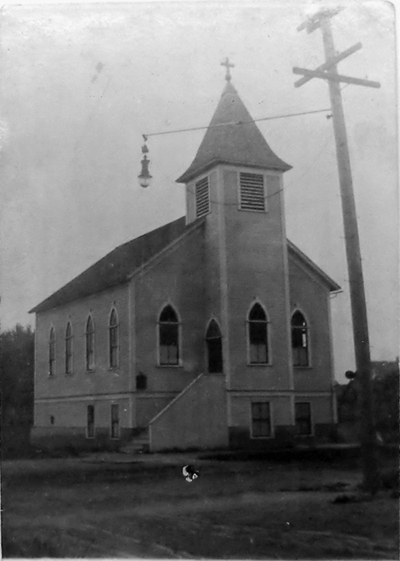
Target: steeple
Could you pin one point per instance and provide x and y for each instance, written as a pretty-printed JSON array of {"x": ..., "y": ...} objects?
[{"x": 233, "y": 138}]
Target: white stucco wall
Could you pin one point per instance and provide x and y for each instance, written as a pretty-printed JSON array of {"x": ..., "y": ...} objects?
[{"x": 197, "y": 418}]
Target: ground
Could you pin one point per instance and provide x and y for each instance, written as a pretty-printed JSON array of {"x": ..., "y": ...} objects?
[{"x": 141, "y": 506}]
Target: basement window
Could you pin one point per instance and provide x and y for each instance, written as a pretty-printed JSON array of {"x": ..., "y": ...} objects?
[
  {"x": 260, "y": 420},
  {"x": 202, "y": 197},
  {"x": 90, "y": 421},
  {"x": 252, "y": 192},
  {"x": 303, "y": 418},
  {"x": 115, "y": 420}
]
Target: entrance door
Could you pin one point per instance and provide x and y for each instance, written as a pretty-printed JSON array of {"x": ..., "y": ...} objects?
[{"x": 214, "y": 348}]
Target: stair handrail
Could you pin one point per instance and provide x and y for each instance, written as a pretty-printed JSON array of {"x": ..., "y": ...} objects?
[{"x": 171, "y": 403}]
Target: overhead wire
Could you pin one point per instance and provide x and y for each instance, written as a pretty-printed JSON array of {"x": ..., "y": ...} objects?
[
  {"x": 236, "y": 123},
  {"x": 305, "y": 172},
  {"x": 319, "y": 154},
  {"x": 246, "y": 122}
]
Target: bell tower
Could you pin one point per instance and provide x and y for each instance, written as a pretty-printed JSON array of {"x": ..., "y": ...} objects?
[{"x": 235, "y": 184}]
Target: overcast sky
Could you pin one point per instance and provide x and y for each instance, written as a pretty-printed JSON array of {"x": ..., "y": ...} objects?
[{"x": 82, "y": 83}]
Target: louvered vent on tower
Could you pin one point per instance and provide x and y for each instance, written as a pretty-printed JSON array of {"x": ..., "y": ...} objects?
[
  {"x": 252, "y": 196},
  {"x": 202, "y": 197}
]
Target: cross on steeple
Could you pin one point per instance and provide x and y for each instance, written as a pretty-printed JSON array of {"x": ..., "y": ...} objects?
[{"x": 228, "y": 65}]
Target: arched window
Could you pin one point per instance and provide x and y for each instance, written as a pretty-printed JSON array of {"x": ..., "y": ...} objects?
[
  {"x": 113, "y": 339},
  {"x": 141, "y": 381},
  {"x": 300, "y": 342},
  {"x": 214, "y": 348},
  {"x": 52, "y": 352},
  {"x": 168, "y": 327},
  {"x": 68, "y": 349},
  {"x": 89, "y": 344},
  {"x": 258, "y": 335}
]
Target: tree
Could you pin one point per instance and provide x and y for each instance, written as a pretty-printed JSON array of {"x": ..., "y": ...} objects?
[
  {"x": 16, "y": 376},
  {"x": 386, "y": 404},
  {"x": 385, "y": 398}
]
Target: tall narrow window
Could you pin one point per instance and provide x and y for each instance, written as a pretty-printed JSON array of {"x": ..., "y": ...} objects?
[
  {"x": 252, "y": 192},
  {"x": 303, "y": 418},
  {"x": 68, "y": 349},
  {"x": 261, "y": 420},
  {"x": 90, "y": 421},
  {"x": 202, "y": 197},
  {"x": 52, "y": 352},
  {"x": 168, "y": 326},
  {"x": 89, "y": 344},
  {"x": 113, "y": 339},
  {"x": 258, "y": 335},
  {"x": 300, "y": 346},
  {"x": 114, "y": 420},
  {"x": 214, "y": 348}
]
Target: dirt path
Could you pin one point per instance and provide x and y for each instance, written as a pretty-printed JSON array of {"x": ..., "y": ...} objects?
[{"x": 80, "y": 509}]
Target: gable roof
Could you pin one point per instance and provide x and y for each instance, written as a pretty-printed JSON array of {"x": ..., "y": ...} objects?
[
  {"x": 233, "y": 138},
  {"x": 117, "y": 266},
  {"x": 311, "y": 266}
]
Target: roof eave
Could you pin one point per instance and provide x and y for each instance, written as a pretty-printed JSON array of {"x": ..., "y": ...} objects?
[
  {"x": 42, "y": 307},
  {"x": 191, "y": 173},
  {"x": 332, "y": 285},
  {"x": 189, "y": 229}
]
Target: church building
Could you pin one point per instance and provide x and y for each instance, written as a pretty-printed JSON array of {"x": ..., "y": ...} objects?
[{"x": 210, "y": 332}]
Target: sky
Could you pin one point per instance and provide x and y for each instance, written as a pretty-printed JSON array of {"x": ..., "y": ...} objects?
[{"x": 81, "y": 83}]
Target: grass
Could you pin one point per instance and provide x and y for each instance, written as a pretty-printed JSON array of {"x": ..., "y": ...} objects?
[{"x": 73, "y": 507}]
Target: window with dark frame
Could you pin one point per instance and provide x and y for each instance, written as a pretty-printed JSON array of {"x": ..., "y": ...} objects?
[
  {"x": 300, "y": 343},
  {"x": 303, "y": 418},
  {"x": 68, "y": 349},
  {"x": 252, "y": 192},
  {"x": 52, "y": 352},
  {"x": 113, "y": 340},
  {"x": 114, "y": 420},
  {"x": 214, "y": 348},
  {"x": 202, "y": 197},
  {"x": 89, "y": 344},
  {"x": 168, "y": 326},
  {"x": 90, "y": 421},
  {"x": 260, "y": 419},
  {"x": 258, "y": 335}
]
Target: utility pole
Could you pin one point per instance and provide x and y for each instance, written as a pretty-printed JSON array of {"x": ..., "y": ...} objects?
[{"x": 328, "y": 71}]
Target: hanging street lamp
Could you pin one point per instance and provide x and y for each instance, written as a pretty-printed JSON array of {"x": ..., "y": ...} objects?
[{"x": 145, "y": 177}]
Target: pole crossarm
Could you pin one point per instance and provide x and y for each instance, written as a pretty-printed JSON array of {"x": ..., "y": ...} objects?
[
  {"x": 315, "y": 21},
  {"x": 334, "y": 77},
  {"x": 353, "y": 253},
  {"x": 331, "y": 62}
]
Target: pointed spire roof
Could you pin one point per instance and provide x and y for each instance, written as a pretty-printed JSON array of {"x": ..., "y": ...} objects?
[{"x": 233, "y": 138}]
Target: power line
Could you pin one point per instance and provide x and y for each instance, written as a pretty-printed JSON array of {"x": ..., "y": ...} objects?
[
  {"x": 235, "y": 123},
  {"x": 316, "y": 158},
  {"x": 319, "y": 154},
  {"x": 330, "y": 73}
]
